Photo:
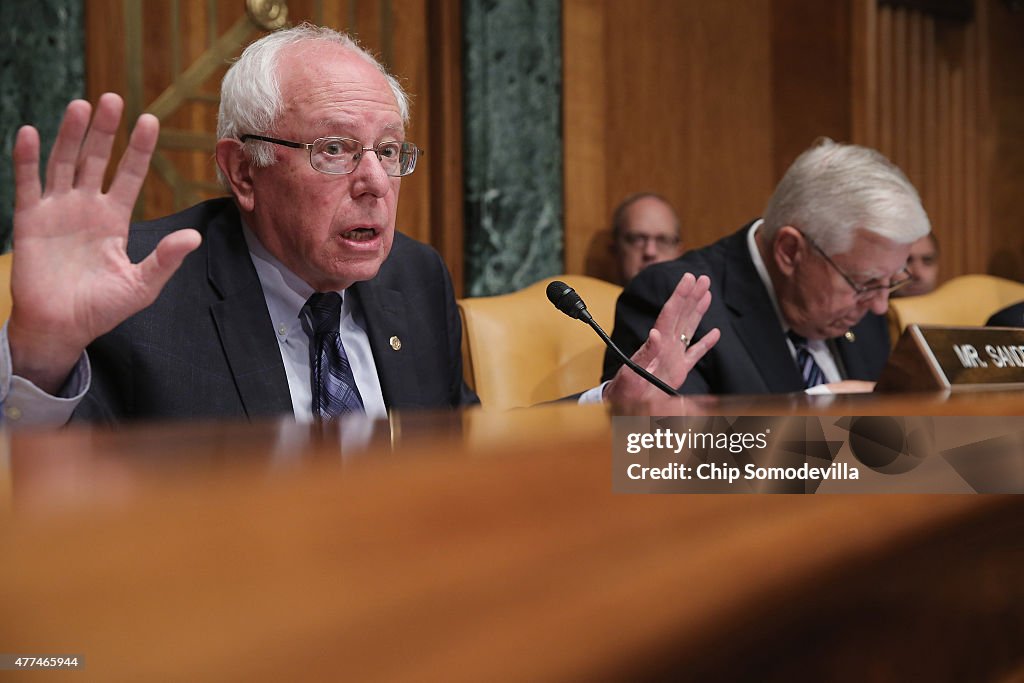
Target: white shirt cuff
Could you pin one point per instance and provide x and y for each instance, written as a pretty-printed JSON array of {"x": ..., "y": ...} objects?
[
  {"x": 593, "y": 395},
  {"x": 24, "y": 403}
]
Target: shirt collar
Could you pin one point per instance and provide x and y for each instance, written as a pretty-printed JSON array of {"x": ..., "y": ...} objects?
[
  {"x": 285, "y": 292},
  {"x": 762, "y": 271}
]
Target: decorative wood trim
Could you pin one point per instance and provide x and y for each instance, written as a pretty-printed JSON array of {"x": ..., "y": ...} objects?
[
  {"x": 864, "y": 63},
  {"x": 447, "y": 213},
  {"x": 927, "y": 113},
  {"x": 585, "y": 128}
]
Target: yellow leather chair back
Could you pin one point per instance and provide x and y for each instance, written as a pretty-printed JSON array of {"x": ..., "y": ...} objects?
[
  {"x": 967, "y": 300},
  {"x": 519, "y": 350},
  {"x": 5, "y": 286}
]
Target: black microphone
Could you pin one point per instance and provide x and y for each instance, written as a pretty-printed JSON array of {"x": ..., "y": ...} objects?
[{"x": 569, "y": 302}]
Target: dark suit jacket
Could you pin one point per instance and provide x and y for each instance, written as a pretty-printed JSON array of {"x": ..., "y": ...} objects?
[
  {"x": 752, "y": 356},
  {"x": 1011, "y": 316},
  {"x": 206, "y": 347}
]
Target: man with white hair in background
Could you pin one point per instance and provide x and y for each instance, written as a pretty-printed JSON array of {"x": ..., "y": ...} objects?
[
  {"x": 800, "y": 295},
  {"x": 296, "y": 295}
]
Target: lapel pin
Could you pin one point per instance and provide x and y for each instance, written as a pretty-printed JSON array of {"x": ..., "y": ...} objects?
[
  {"x": 396, "y": 343},
  {"x": 850, "y": 336}
]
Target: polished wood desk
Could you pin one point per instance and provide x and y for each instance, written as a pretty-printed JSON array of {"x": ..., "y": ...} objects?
[
  {"x": 993, "y": 402},
  {"x": 476, "y": 546}
]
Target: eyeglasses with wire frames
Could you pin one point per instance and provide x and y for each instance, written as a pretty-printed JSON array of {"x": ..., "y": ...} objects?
[
  {"x": 341, "y": 156},
  {"x": 638, "y": 241},
  {"x": 867, "y": 290}
]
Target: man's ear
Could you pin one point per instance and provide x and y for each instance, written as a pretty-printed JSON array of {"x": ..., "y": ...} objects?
[
  {"x": 235, "y": 166},
  {"x": 787, "y": 249}
]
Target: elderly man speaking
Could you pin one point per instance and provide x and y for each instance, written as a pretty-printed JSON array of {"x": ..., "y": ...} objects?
[{"x": 295, "y": 296}]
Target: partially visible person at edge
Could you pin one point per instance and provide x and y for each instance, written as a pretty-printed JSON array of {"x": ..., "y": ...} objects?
[
  {"x": 923, "y": 267},
  {"x": 800, "y": 294},
  {"x": 233, "y": 307}
]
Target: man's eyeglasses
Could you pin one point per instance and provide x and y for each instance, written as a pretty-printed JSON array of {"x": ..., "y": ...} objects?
[
  {"x": 341, "y": 156},
  {"x": 866, "y": 290},
  {"x": 661, "y": 242}
]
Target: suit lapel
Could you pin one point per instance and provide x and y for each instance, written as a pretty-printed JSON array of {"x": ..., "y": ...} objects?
[
  {"x": 864, "y": 357},
  {"x": 386, "y": 315},
  {"x": 243, "y": 321},
  {"x": 754, "y": 320}
]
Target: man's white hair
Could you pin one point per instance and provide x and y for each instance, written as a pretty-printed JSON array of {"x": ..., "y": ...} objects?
[
  {"x": 833, "y": 189},
  {"x": 250, "y": 94}
]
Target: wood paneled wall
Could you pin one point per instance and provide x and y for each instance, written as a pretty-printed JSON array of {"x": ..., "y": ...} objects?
[
  {"x": 1003, "y": 136},
  {"x": 708, "y": 104},
  {"x": 945, "y": 101},
  {"x": 168, "y": 57},
  {"x": 922, "y": 100},
  {"x": 705, "y": 103}
]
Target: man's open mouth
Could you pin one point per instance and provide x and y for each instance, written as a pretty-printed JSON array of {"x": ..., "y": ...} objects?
[{"x": 360, "y": 234}]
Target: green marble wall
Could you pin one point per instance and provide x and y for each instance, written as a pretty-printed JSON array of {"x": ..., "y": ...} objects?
[
  {"x": 512, "y": 56},
  {"x": 42, "y": 62}
]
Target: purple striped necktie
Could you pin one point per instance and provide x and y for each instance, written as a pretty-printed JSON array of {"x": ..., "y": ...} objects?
[
  {"x": 809, "y": 369},
  {"x": 331, "y": 381}
]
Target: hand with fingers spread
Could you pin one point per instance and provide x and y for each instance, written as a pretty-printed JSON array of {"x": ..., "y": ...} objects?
[
  {"x": 72, "y": 280},
  {"x": 669, "y": 352}
]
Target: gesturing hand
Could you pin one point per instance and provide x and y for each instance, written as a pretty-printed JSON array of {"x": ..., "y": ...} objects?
[
  {"x": 664, "y": 354},
  {"x": 72, "y": 280}
]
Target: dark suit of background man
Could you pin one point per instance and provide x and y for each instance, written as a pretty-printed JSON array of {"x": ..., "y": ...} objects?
[
  {"x": 201, "y": 314},
  {"x": 820, "y": 264},
  {"x": 1011, "y": 316}
]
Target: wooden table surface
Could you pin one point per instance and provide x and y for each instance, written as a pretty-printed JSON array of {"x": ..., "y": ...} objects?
[{"x": 481, "y": 546}]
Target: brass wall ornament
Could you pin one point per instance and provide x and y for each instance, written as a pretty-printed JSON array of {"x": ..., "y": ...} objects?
[
  {"x": 203, "y": 37},
  {"x": 269, "y": 15}
]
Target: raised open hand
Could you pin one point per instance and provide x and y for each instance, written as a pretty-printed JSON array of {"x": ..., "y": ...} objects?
[
  {"x": 71, "y": 279},
  {"x": 668, "y": 353}
]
